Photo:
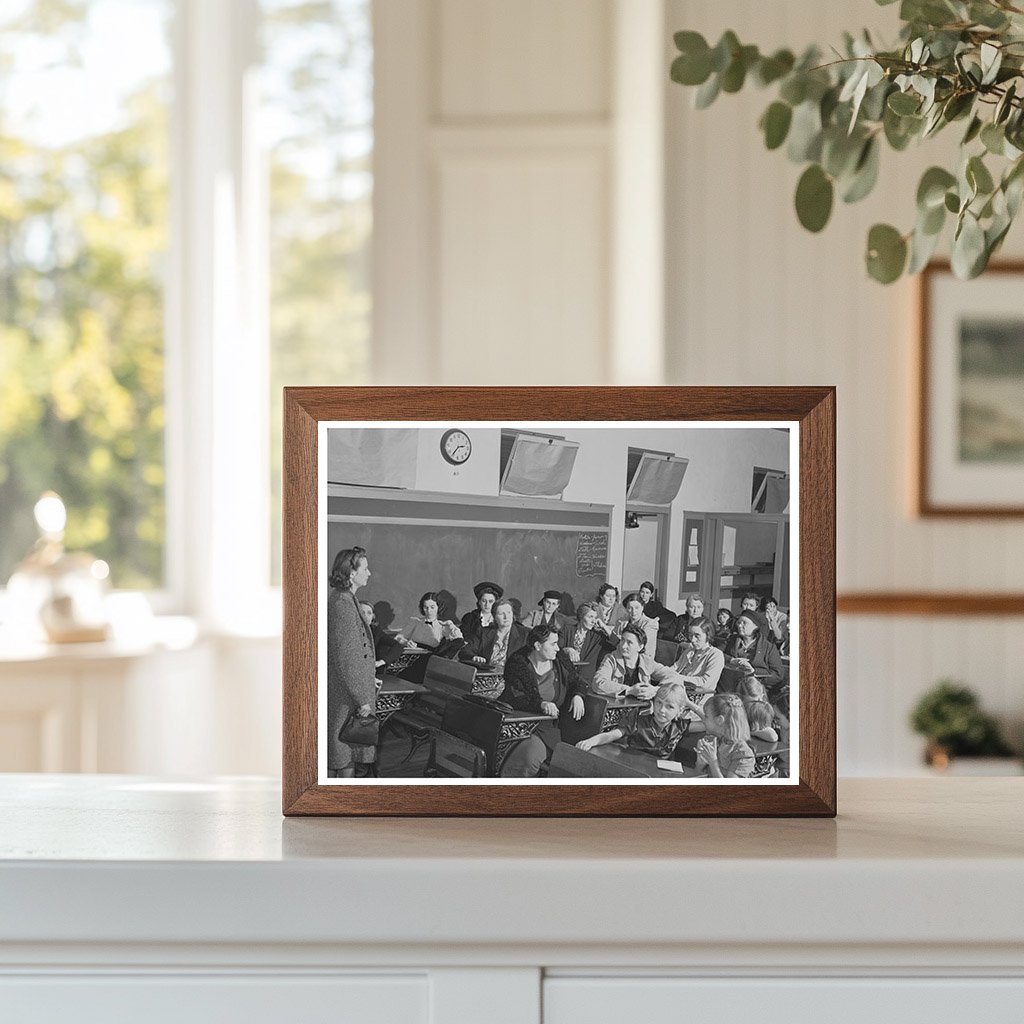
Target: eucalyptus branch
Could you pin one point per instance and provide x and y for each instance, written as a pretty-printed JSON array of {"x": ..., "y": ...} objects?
[{"x": 834, "y": 116}]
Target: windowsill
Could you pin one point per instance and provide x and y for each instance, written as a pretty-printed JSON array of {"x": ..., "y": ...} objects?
[{"x": 161, "y": 633}]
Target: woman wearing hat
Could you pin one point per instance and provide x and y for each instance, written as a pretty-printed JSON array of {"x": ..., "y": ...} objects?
[
  {"x": 483, "y": 614},
  {"x": 547, "y": 613},
  {"x": 753, "y": 653},
  {"x": 491, "y": 647}
]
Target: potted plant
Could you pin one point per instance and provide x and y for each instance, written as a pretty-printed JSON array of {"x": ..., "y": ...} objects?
[{"x": 950, "y": 717}]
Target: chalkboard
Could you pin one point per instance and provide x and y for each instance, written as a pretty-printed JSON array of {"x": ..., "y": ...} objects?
[
  {"x": 408, "y": 559},
  {"x": 592, "y": 554}
]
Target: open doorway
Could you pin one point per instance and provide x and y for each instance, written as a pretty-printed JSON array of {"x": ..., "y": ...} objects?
[{"x": 645, "y": 551}]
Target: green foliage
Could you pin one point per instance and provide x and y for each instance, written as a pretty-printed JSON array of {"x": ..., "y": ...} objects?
[
  {"x": 949, "y": 715},
  {"x": 82, "y": 232},
  {"x": 956, "y": 60}
]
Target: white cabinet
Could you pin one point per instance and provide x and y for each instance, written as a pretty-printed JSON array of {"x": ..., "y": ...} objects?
[
  {"x": 828, "y": 1000},
  {"x": 126, "y": 899},
  {"x": 202, "y": 999}
]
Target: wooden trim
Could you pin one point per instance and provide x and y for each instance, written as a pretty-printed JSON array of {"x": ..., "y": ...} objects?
[
  {"x": 813, "y": 408},
  {"x": 929, "y": 603},
  {"x": 922, "y": 503}
]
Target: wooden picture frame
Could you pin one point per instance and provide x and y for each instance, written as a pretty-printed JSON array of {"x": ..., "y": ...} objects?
[
  {"x": 811, "y": 410},
  {"x": 958, "y": 470}
]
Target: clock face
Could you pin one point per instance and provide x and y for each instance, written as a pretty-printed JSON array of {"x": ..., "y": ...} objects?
[{"x": 456, "y": 447}]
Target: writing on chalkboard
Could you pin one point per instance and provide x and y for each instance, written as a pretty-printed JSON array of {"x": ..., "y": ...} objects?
[{"x": 592, "y": 554}]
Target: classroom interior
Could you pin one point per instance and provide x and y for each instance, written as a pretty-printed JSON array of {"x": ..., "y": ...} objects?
[{"x": 561, "y": 508}]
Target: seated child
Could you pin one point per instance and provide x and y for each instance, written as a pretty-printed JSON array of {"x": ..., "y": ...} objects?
[
  {"x": 761, "y": 719},
  {"x": 654, "y": 732},
  {"x": 725, "y": 751},
  {"x": 750, "y": 690}
]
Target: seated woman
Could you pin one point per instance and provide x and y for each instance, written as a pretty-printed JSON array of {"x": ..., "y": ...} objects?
[
  {"x": 724, "y": 630},
  {"x": 386, "y": 648},
  {"x": 442, "y": 636},
  {"x": 778, "y": 622},
  {"x": 654, "y": 609},
  {"x": 492, "y": 646},
  {"x": 700, "y": 665},
  {"x": 629, "y": 672},
  {"x": 546, "y": 612},
  {"x": 540, "y": 679},
  {"x": 584, "y": 644},
  {"x": 694, "y": 610},
  {"x": 752, "y": 653},
  {"x": 487, "y": 595},
  {"x": 608, "y": 610},
  {"x": 635, "y": 617}
]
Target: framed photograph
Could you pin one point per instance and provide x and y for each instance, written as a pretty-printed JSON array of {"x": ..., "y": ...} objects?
[
  {"x": 559, "y": 601},
  {"x": 970, "y": 450}
]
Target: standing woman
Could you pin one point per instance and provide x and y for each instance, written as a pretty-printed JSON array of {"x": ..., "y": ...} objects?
[{"x": 351, "y": 676}]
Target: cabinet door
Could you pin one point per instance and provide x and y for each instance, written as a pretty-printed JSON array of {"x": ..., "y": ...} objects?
[
  {"x": 570, "y": 1000},
  {"x": 206, "y": 999}
]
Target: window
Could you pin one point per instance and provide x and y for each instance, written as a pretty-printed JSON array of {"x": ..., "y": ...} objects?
[
  {"x": 537, "y": 465},
  {"x": 317, "y": 127},
  {"x": 83, "y": 239},
  {"x": 654, "y": 478},
  {"x": 185, "y": 225},
  {"x": 769, "y": 491}
]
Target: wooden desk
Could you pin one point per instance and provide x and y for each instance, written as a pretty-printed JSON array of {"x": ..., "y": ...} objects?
[
  {"x": 641, "y": 762},
  {"x": 394, "y": 695}
]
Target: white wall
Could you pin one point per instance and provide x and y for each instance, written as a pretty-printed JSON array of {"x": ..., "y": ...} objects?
[
  {"x": 753, "y": 298},
  {"x": 718, "y": 478}
]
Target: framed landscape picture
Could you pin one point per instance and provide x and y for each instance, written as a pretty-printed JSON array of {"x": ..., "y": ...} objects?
[
  {"x": 559, "y": 601},
  {"x": 970, "y": 451}
]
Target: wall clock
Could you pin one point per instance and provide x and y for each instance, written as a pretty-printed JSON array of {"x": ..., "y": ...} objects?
[{"x": 456, "y": 447}]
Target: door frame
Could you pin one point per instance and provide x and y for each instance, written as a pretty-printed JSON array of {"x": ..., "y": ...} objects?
[{"x": 660, "y": 578}]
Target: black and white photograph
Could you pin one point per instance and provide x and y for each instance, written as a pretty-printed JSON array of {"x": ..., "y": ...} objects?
[{"x": 510, "y": 602}]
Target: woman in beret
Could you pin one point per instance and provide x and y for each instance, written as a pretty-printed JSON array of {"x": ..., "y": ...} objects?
[{"x": 487, "y": 594}]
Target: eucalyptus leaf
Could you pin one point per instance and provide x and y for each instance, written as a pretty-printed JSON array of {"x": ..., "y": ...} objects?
[
  {"x": 886, "y": 253},
  {"x": 735, "y": 74},
  {"x": 814, "y": 195},
  {"x": 775, "y": 123},
  {"x": 978, "y": 175},
  {"x": 991, "y": 60},
  {"x": 840, "y": 152},
  {"x": 932, "y": 221},
  {"x": 973, "y": 129},
  {"x": 707, "y": 93},
  {"x": 922, "y": 248},
  {"x": 931, "y": 190},
  {"x": 805, "y": 133},
  {"x": 987, "y": 15},
  {"x": 865, "y": 173},
  {"x": 968, "y": 247},
  {"x": 904, "y": 103},
  {"x": 771, "y": 69},
  {"x": 952, "y": 202},
  {"x": 794, "y": 88},
  {"x": 1004, "y": 106},
  {"x": 993, "y": 138},
  {"x": 725, "y": 50}
]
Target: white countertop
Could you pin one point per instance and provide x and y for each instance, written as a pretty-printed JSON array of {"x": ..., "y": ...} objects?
[{"x": 123, "y": 859}]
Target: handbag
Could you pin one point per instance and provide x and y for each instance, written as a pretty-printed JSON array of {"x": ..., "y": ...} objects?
[{"x": 363, "y": 730}]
